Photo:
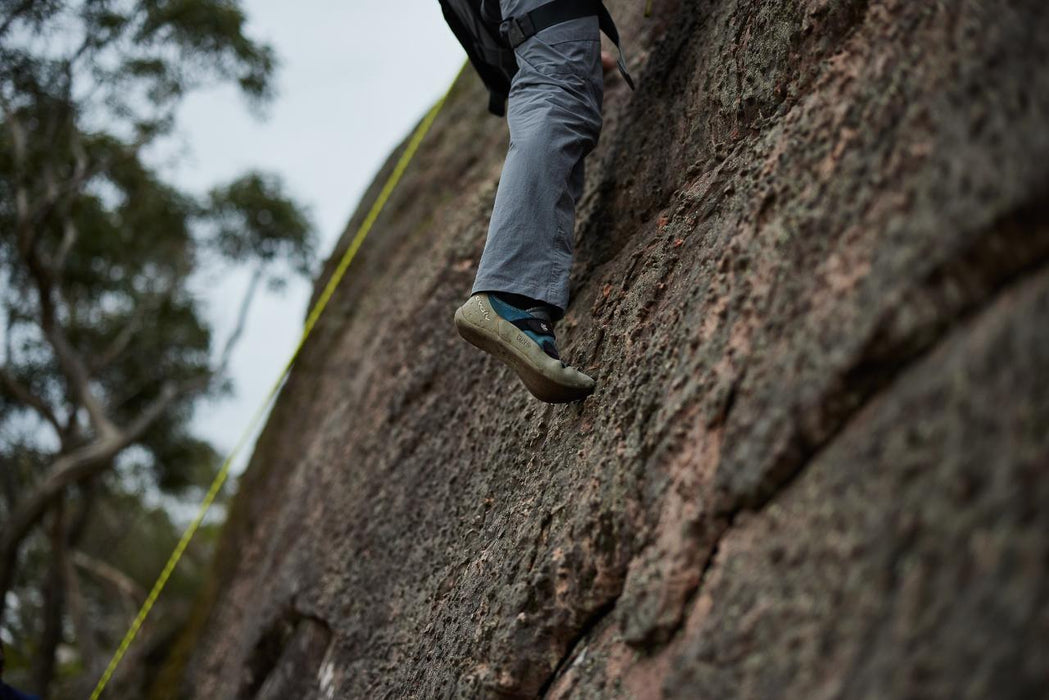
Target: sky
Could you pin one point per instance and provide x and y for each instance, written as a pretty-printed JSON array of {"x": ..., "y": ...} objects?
[{"x": 354, "y": 78}]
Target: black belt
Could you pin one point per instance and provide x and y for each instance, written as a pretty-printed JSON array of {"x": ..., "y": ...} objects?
[{"x": 517, "y": 30}]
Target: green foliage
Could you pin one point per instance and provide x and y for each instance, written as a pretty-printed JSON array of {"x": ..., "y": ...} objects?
[
  {"x": 123, "y": 277},
  {"x": 209, "y": 31},
  {"x": 255, "y": 221},
  {"x": 96, "y": 256},
  {"x": 137, "y": 539}
]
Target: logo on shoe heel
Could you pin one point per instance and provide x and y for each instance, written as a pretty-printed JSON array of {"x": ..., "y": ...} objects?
[{"x": 484, "y": 311}]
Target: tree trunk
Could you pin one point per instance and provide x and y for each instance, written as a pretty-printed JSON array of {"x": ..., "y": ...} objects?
[
  {"x": 54, "y": 604},
  {"x": 31, "y": 509},
  {"x": 77, "y": 467},
  {"x": 93, "y": 661}
]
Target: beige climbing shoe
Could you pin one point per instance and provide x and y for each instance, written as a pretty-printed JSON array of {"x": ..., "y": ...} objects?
[{"x": 526, "y": 344}]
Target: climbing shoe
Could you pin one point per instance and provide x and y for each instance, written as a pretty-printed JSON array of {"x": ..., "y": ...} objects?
[{"x": 525, "y": 342}]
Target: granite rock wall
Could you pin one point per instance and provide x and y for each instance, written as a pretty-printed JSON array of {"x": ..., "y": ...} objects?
[{"x": 812, "y": 281}]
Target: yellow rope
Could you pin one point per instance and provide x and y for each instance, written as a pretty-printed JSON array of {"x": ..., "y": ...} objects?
[{"x": 311, "y": 321}]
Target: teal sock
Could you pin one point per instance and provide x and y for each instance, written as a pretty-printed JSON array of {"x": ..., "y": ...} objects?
[{"x": 532, "y": 307}]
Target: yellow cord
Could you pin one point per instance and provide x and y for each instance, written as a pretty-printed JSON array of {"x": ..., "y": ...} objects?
[{"x": 311, "y": 321}]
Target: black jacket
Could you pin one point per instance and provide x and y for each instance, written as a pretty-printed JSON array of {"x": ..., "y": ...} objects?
[{"x": 9, "y": 693}]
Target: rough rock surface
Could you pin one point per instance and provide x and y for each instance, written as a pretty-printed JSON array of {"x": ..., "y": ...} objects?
[{"x": 813, "y": 283}]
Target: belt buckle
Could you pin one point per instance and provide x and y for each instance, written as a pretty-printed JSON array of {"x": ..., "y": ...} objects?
[
  {"x": 515, "y": 31},
  {"x": 511, "y": 31}
]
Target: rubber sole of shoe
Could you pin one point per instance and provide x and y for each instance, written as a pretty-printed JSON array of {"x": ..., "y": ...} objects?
[{"x": 540, "y": 386}]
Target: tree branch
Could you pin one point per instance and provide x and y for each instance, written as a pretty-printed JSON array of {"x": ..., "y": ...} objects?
[
  {"x": 7, "y": 470},
  {"x": 114, "y": 577},
  {"x": 23, "y": 395},
  {"x": 83, "y": 171},
  {"x": 54, "y": 603},
  {"x": 82, "y": 628},
  {"x": 120, "y": 343},
  {"x": 26, "y": 232},
  {"x": 77, "y": 466},
  {"x": 242, "y": 317},
  {"x": 72, "y": 365},
  {"x": 18, "y": 12},
  {"x": 70, "y": 233}
]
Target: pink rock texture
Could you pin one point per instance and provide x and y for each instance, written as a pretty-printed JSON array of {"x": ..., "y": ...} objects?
[{"x": 812, "y": 281}]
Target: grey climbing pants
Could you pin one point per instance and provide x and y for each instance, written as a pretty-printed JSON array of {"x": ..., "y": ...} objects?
[{"x": 554, "y": 115}]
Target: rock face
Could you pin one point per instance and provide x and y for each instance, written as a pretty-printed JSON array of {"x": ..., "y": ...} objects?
[{"x": 812, "y": 280}]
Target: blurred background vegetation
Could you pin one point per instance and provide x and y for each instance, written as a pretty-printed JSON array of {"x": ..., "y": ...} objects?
[{"x": 105, "y": 351}]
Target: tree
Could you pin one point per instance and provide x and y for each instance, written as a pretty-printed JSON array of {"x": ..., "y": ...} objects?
[{"x": 105, "y": 348}]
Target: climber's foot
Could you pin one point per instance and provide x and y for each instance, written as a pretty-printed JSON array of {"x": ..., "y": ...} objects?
[{"x": 525, "y": 343}]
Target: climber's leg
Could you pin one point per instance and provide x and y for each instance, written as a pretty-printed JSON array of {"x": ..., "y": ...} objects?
[
  {"x": 521, "y": 286},
  {"x": 554, "y": 116}
]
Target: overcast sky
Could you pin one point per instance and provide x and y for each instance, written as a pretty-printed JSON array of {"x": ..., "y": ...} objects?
[{"x": 354, "y": 78}]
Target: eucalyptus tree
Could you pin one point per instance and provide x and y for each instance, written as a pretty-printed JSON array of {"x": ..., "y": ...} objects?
[{"x": 105, "y": 348}]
